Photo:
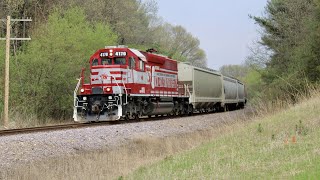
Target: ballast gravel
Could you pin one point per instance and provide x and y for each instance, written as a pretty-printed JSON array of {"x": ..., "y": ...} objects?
[{"x": 27, "y": 148}]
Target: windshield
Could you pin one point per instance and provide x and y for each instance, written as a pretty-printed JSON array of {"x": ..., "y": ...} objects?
[
  {"x": 106, "y": 61},
  {"x": 95, "y": 62},
  {"x": 121, "y": 60}
]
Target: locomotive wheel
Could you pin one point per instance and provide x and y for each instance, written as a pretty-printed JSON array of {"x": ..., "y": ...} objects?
[
  {"x": 136, "y": 116},
  {"x": 181, "y": 113}
]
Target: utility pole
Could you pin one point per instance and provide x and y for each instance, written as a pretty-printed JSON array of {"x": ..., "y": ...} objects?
[{"x": 6, "y": 81}]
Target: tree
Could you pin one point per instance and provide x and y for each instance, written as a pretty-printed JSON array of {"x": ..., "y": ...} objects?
[
  {"x": 179, "y": 44},
  {"x": 290, "y": 38},
  {"x": 55, "y": 56},
  {"x": 237, "y": 71}
]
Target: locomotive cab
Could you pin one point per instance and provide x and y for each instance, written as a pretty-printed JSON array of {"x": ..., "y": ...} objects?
[{"x": 101, "y": 99}]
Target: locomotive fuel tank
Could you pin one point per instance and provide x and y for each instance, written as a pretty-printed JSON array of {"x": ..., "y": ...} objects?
[{"x": 159, "y": 108}]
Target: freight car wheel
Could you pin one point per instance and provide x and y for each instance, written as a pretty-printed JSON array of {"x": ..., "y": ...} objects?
[
  {"x": 224, "y": 108},
  {"x": 190, "y": 110}
]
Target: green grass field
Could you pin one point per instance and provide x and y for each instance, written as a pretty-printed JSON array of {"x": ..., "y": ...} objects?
[{"x": 283, "y": 144}]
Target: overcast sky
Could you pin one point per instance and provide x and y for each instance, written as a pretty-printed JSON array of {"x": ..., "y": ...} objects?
[{"x": 223, "y": 27}]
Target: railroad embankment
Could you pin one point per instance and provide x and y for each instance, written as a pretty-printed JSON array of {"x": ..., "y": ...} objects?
[
  {"x": 272, "y": 142},
  {"x": 282, "y": 144},
  {"x": 107, "y": 152}
]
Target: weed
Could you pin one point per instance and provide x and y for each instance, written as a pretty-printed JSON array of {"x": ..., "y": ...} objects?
[
  {"x": 168, "y": 158},
  {"x": 260, "y": 129},
  {"x": 301, "y": 129}
]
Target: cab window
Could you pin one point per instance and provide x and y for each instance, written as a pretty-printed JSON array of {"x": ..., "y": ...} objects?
[
  {"x": 132, "y": 63},
  {"x": 120, "y": 60},
  {"x": 106, "y": 61},
  {"x": 141, "y": 65},
  {"x": 95, "y": 62}
]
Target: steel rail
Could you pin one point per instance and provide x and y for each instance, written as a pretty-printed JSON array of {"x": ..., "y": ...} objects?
[
  {"x": 7, "y": 132},
  {"x": 46, "y": 128}
]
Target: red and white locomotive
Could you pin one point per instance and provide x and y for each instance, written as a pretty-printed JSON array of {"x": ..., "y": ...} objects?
[{"x": 127, "y": 83}]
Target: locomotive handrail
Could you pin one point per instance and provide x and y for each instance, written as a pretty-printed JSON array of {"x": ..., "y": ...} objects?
[
  {"x": 76, "y": 90},
  {"x": 75, "y": 98},
  {"x": 120, "y": 89},
  {"x": 186, "y": 86},
  {"x": 125, "y": 89}
]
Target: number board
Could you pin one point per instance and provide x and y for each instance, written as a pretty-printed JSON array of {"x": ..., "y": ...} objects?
[
  {"x": 120, "y": 54},
  {"x": 104, "y": 54}
]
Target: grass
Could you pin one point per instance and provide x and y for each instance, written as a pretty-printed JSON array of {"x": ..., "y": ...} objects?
[{"x": 280, "y": 145}]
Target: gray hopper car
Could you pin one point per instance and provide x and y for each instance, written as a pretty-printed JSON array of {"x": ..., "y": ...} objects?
[{"x": 209, "y": 90}]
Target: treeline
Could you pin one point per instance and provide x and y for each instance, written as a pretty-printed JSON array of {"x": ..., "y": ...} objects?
[
  {"x": 286, "y": 61},
  {"x": 64, "y": 35}
]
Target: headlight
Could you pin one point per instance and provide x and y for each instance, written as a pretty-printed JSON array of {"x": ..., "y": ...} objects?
[
  {"x": 84, "y": 98},
  {"x": 82, "y": 90},
  {"x": 108, "y": 89}
]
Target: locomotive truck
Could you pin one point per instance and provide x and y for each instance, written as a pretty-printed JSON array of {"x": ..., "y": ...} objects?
[{"x": 126, "y": 83}]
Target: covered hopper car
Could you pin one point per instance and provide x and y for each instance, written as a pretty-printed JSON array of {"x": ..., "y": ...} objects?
[{"x": 126, "y": 83}]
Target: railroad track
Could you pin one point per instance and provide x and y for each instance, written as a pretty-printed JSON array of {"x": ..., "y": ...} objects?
[
  {"x": 47, "y": 128},
  {"x": 7, "y": 132},
  {"x": 79, "y": 125}
]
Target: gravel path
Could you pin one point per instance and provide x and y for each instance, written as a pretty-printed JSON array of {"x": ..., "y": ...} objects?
[{"x": 26, "y": 148}]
